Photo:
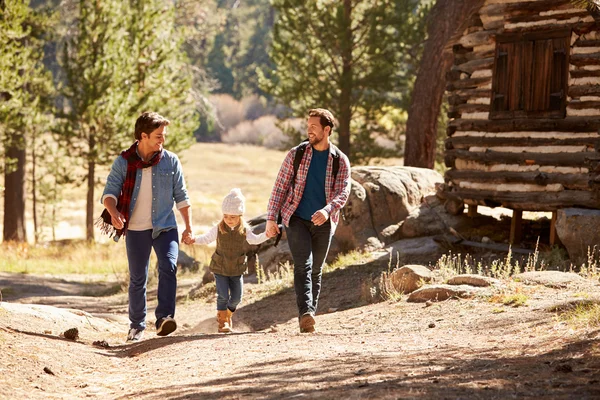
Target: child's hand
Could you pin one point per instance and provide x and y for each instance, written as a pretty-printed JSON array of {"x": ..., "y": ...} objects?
[{"x": 189, "y": 239}]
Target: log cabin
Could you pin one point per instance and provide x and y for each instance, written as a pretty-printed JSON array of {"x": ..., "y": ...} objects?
[{"x": 524, "y": 109}]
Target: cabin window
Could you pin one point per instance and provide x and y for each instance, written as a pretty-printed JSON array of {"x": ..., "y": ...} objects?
[{"x": 530, "y": 78}]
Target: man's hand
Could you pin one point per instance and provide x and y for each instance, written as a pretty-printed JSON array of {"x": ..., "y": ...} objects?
[
  {"x": 320, "y": 217},
  {"x": 187, "y": 236},
  {"x": 272, "y": 229},
  {"x": 117, "y": 219}
]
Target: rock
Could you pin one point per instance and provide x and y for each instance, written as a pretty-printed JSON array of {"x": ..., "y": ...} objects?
[
  {"x": 428, "y": 219},
  {"x": 355, "y": 230},
  {"x": 417, "y": 247},
  {"x": 186, "y": 262},
  {"x": 441, "y": 293},
  {"x": 553, "y": 279},
  {"x": 272, "y": 257},
  {"x": 577, "y": 229},
  {"x": 392, "y": 192},
  {"x": 409, "y": 278},
  {"x": 454, "y": 207},
  {"x": 473, "y": 280},
  {"x": 71, "y": 334}
]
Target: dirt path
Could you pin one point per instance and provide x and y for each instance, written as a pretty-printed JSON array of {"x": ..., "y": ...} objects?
[{"x": 457, "y": 349}]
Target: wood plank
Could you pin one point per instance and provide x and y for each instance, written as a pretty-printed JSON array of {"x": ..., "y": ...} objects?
[
  {"x": 498, "y": 157},
  {"x": 582, "y": 105},
  {"x": 469, "y": 108},
  {"x": 529, "y": 7},
  {"x": 516, "y": 227},
  {"x": 462, "y": 96},
  {"x": 554, "y": 240},
  {"x": 471, "y": 211},
  {"x": 582, "y": 73},
  {"x": 469, "y": 141},
  {"x": 569, "y": 181},
  {"x": 584, "y": 90},
  {"x": 581, "y": 60},
  {"x": 569, "y": 124},
  {"x": 471, "y": 83},
  {"x": 586, "y": 43},
  {"x": 471, "y": 66},
  {"x": 534, "y": 201},
  {"x": 515, "y": 19}
]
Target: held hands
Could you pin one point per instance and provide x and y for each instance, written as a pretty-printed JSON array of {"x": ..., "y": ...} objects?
[
  {"x": 272, "y": 229},
  {"x": 187, "y": 237},
  {"x": 320, "y": 217}
]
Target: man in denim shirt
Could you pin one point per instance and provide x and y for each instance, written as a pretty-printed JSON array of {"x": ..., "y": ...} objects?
[
  {"x": 144, "y": 183},
  {"x": 310, "y": 209}
]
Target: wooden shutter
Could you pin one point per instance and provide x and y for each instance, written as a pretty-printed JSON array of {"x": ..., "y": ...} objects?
[
  {"x": 539, "y": 95},
  {"x": 559, "y": 79},
  {"x": 500, "y": 81},
  {"x": 530, "y": 76}
]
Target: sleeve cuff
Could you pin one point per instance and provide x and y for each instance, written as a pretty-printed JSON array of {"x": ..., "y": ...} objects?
[
  {"x": 184, "y": 203},
  {"x": 108, "y": 195}
]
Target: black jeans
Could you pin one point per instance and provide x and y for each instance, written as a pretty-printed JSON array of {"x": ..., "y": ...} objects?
[{"x": 309, "y": 245}]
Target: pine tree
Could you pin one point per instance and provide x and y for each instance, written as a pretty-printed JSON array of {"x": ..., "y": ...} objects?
[
  {"x": 122, "y": 58},
  {"x": 353, "y": 57},
  {"x": 162, "y": 78},
  {"x": 25, "y": 94}
]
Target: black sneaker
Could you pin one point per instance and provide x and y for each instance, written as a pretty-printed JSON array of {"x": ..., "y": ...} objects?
[
  {"x": 165, "y": 326},
  {"x": 135, "y": 335}
]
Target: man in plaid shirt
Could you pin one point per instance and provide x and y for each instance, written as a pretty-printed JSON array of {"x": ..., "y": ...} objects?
[{"x": 310, "y": 209}]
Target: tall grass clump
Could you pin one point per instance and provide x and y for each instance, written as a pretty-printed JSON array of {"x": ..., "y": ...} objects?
[
  {"x": 77, "y": 257},
  {"x": 274, "y": 282}
]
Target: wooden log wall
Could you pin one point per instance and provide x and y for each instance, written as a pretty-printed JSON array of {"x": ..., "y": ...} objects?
[{"x": 525, "y": 164}]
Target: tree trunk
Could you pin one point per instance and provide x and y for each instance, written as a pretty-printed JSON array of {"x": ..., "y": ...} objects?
[
  {"x": 34, "y": 189},
  {"x": 14, "y": 193},
  {"x": 346, "y": 90},
  {"x": 445, "y": 18},
  {"x": 89, "y": 216}
]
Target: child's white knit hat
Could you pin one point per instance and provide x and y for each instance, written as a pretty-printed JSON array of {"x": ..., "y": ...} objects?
[{"x": 234, "y": 203}]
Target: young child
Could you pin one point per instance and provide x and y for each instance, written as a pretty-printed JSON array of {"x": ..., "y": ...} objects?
[{"x": 229, "y": 261}]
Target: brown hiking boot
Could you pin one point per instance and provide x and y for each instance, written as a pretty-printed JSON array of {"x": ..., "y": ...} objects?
[
  {"x": 223, "y": 321},
  {"x": 229, "y": 319},
  {"x": 307, "y": 323}
]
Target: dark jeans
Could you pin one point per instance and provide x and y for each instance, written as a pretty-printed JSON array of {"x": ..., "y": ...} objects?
[
  {"x": 309, "y": 245},
  {"x": 139, "y": 245},
  {"x": 229, "y": 291}
]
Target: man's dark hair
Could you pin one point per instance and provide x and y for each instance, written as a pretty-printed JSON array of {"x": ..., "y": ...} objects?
[
  {"x": 326, "y": 117},
  {"x": 148, "y": 122}
]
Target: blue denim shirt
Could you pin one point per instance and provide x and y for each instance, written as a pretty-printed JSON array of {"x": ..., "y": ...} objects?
[{"x": 168, "y": 188}]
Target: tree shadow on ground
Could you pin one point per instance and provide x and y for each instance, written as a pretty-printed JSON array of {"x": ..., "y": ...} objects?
[
  {"x": 461, "y": 374},
  {"x": 341, "y": 289},
  {"x": 16, "y": 287}
]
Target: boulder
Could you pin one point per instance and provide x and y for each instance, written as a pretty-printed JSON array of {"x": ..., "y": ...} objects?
[
  {"x": 392, "y": 192},
  {"x": 355, "y": 230},
  {"x": 441, "y": 293},
  {"x": 409, "y": 278},
  {"x": 577, "y": 229},
  {"x": 553, "y": 279},
  {"x": 428, "y": 219},
  {"x": 474, "y": 280}
]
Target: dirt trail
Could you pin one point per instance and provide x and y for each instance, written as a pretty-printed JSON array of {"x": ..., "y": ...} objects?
[{"x": 457, "y": 349}]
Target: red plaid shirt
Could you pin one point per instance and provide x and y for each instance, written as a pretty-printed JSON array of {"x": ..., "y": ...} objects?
[{"x": 284, "y": 201}]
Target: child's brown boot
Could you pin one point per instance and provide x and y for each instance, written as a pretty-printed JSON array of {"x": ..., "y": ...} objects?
[
  {"x": 223, "y": 322},
  {"x": 229, "y": 320}
]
